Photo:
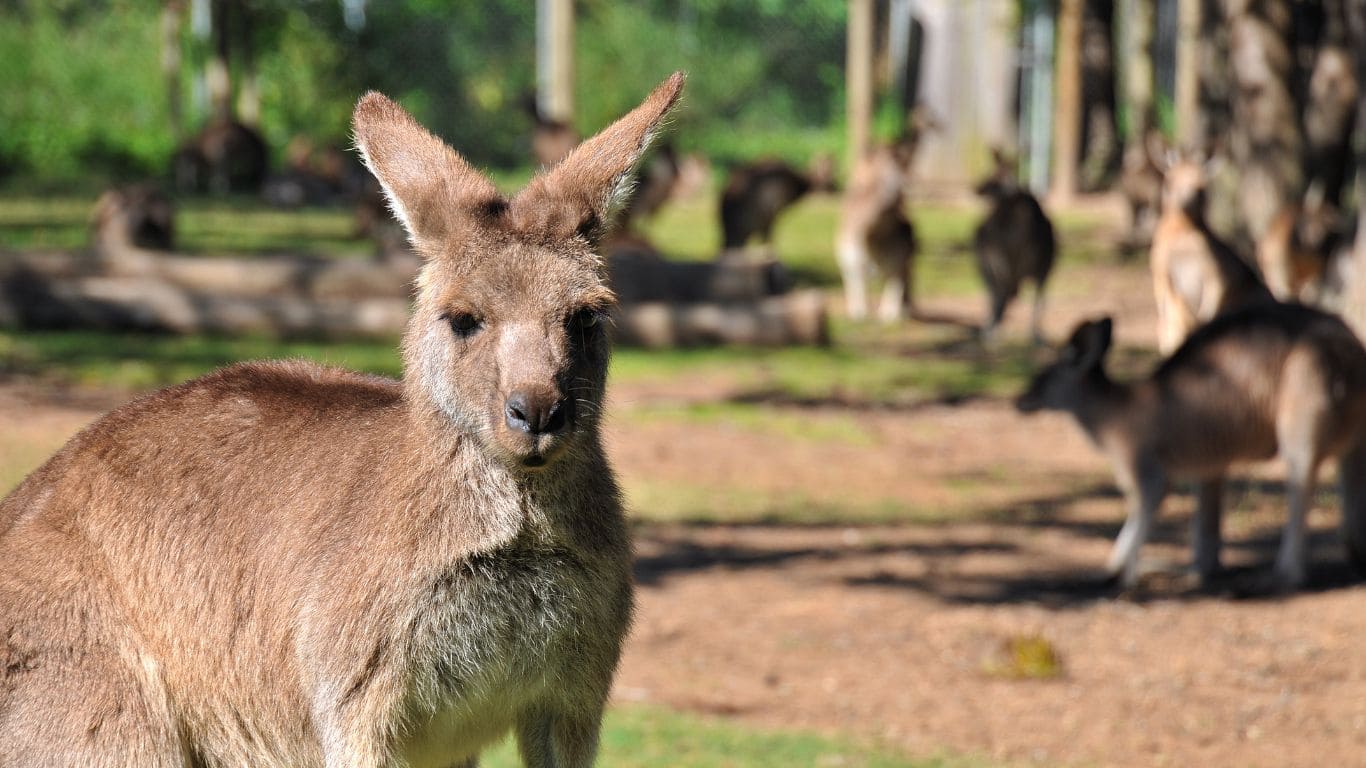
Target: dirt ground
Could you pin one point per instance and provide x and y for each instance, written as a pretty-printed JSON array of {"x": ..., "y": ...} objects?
[{"x": 896, "y": 631}]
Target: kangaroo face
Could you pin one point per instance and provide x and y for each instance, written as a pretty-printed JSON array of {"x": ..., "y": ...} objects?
[
  {"x": 508, "y": 341},
  {"x": 512, "y": 345},
  {"x": 1059, "y": 386},
  {"x": 1183, "y": 187}
]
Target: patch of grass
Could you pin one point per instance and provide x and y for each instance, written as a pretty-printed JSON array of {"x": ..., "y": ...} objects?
[
  {"x": 647, "y": 737},
  {"x": 1026, "y": 657},
  {"x": 860, "y": 371},
  {"x": 236, "y": 225},
  {"x": 140, "y": 361},
  {"x": 804, "y": 240},
  {"x": 820, "y": 428}
]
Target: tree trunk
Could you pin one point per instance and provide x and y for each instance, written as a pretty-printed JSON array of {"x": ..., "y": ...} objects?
[
  {"x": 1265, "y": 134},
  {"x": 859, "y": 78},
  {"x": 172, "y": 14},
  {"x": 1100, "y": 129},
  {"x": 218, "y": 74},
  {"x": 249, "y": 94},
  {"x": 1136, "y": 22},
  {"x": 1355, "y": 309},
  {"x": 1067, "y": 107}
]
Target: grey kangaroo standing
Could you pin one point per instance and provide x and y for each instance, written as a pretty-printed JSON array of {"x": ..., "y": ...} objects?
[
  {"x": 1271, "y": 380},
  {"x": 282, "y": 564},
  {"x": 1013, "y": 244}
]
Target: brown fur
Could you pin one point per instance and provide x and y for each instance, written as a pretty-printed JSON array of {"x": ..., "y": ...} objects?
[
  {"x": 1294, "y": 253},
  {"x": 756, "y": 193},
  {"x": 1270, "y": 380},
  {"x": 875, "y": 235},
  {"x": 1014, "y": 243},
  {"x": 286, "y": 565},
  {"x": 1196, "y": 276}
]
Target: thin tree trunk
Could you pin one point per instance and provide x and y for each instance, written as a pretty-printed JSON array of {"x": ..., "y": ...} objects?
[
  {"x": 1136, "y": 22},
  {"x": 219, "y": 79},
  {"x": 1355, "y": 310},
  {"x": 172, "y": 14},
  {"x": 1067, "y": 107},
  {"x": 249, "y": 94},
  {"x": 1100, "y": 129},
  {"x": 1265, "y": 133},
  {"x": 859, "y": 77}
]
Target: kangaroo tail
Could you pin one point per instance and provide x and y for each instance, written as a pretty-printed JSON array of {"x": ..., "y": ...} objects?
[{"x": 1352, "y": 476}]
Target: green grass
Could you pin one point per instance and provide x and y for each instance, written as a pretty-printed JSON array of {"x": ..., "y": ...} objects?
[
  {"x": 804, "y": 240},
  {"x": 866, "y": 368},
  {"x": 641, "y": 737},
  {"x": 684, "y": 229},
  {"x": 202, "y": 227},
  {"x": 136, "y": 361}
]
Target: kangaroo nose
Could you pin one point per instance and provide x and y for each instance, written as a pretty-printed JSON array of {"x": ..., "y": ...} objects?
[{"x": 537, "y": 415}]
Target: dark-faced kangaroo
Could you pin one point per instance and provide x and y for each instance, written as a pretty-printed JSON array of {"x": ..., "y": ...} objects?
[
  {"x": 281, "y": 564},
  {"x": 1270, "y": 380},
  {"x": 1014, "y": 243}
]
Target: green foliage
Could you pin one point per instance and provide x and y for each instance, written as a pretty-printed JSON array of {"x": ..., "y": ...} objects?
[
  {"x": 86, "y": 100},
  {"x": 82, "y": 88},
  {"x": 765, "y": 79}
]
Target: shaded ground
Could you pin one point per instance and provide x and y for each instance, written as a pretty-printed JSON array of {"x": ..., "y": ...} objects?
[{"x": 896, "y": 550}]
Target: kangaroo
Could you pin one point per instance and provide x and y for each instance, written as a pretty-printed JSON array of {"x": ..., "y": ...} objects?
[
  {"x": 1271, "y": 380},
  {"x": 282, "y": 564},
  {"x": 1295, "y": 251},
  {"x": 226, "y": 156},
  {"x": 1140, "y": 180},
  {"x": 654, "y": 183},
  {"x": 551, "y": 139},
  {"x": 876, "y": 235},
  {"x": 1014, "y": 243},
  {"x": 756, "y": 193},
  {"x": 1196, "y": 276}
]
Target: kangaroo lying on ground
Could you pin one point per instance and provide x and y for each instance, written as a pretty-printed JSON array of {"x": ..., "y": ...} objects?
[
  {"x": 1272, "y": 380},
  {"x": 1013, "y": 244},
  {"x": 1196, "y": 276},
  {"x": 281, "y": 564}
]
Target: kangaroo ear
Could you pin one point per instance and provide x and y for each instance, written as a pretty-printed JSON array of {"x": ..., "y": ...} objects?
[
  {"x": 578, "y": 195},
  {"x": 1095, "y": 338},
  {"x": 428, "y": 185}
]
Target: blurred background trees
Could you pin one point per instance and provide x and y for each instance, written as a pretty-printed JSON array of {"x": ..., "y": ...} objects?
[{"x": 86, "y": 95}]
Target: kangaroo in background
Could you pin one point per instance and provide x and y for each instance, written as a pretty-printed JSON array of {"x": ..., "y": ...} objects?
[
  {"x": 1297, "y": 247},
  {"x": 1271, "y": 380},
  {"x": 282, "y": 564},
  {"x": 1196, "y": 276},
  {"x": 756, "y": 193},
  {"x": 551, "y": 138},
  {"x": 1140, "y": 180},
  {"x": 653, "y": 184},
  {"x": 226, "y": 156},
  {"x": 875, "y": 234},
  {"x": 1014, "y": 243}
]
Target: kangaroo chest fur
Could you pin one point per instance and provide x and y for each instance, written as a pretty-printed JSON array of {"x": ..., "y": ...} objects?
[{"x": 498, "y": 632}]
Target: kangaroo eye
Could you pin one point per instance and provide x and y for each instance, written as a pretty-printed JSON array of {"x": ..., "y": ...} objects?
[
  {"x": 586, "y": 318},
  {"x": 464, "y": 324}
]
